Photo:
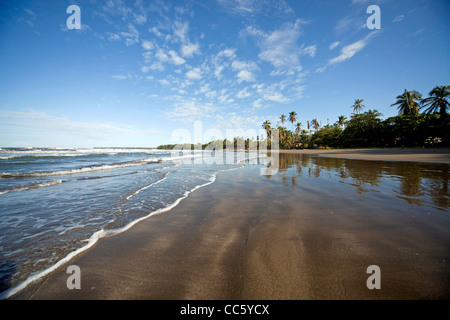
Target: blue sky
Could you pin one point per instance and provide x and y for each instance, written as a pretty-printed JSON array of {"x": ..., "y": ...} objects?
[{"x": 139, "y": 72}]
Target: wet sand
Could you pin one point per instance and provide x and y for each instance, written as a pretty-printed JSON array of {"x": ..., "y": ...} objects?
[
  {"x": 301, "y": 234},
  {"x": 392, "y": 154}
]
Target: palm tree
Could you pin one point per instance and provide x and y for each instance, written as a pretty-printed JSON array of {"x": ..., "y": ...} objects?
[
  {"x": 292, "y": 118},
  {"x": 374, "y": 113},
  {"x": 298, "y": 127},
  {"x": 341, "y": 121},
  {"x": 281, "y": 132},
  {"x": 437, "y": 102},
  {"x": 267, "y": 126},
  {"x": 408, "y": 103},
  {"x": 315, "y": 123},
  {"x": 358, "y": 106},
  {"x": 283, "y": 119}
]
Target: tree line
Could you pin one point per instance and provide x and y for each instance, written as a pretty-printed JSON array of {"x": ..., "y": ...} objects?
[{"x": 421, "y": 122}]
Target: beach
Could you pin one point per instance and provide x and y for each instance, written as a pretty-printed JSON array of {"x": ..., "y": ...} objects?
[
  {"x": 308, "y": 232},
  {"x": 389, "y": 154}
]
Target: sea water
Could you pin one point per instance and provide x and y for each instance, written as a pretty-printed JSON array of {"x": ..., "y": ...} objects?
[{"x": 55, "y": 203}]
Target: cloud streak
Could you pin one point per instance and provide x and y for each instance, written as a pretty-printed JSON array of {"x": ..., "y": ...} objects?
[{"x": 348, "y": 52}]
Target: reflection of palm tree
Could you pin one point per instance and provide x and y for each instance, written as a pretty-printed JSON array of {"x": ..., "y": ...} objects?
[
  {"x": 410, "y": 184},
  {"x": 358, "y": 106},
  {"x": 437, "y": 102},
  {"x": 408, "y": 103}
]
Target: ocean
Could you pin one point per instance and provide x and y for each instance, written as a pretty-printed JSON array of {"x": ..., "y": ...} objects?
[{"x": 55, "y": 203}]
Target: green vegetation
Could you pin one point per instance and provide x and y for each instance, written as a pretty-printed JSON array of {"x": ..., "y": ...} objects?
[{"x": 410, "y": 128}]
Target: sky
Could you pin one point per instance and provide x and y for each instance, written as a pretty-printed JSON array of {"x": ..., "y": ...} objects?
[{"x": 143, "y": 73}]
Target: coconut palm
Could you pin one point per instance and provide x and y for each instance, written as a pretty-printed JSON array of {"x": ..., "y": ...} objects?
[
  {"x": 358, "y": 106},
  {"x": 283, "y": 119},
  {"x": 292, "y": 118},
  {"x": 373, "y": 113},
  {"x": 437, "y": 102},
  {"x": 267, "y": 126},
  {"x": 408, "y": 103},
  {"x": 341, "y": 121},
  {"x": 298, "y": 127},
  {"x": 315, "y": 123}
]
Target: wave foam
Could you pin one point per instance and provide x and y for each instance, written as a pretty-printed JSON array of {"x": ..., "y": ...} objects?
[
  {"x": 32, "y": 186},
  {"x": 101, "y": 234}
]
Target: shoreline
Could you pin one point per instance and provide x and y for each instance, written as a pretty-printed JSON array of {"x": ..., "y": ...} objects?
[
  {"x": 92, "y": 241},
  {"x": 380, "y": 154},
  {"x": 231, "y": 248}
]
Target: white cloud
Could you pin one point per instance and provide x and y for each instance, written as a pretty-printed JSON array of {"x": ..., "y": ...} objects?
[
  {"x": 218, "y": 71},
  {"x": 147, "y": 56},
  {"x": 41, "y": 120},
  {"x": 348, "y": 52},
  {"x": 228, "y": 53},
  {"x": 194, "y": 74},
  {"x": 245, "y": 69},
  {"x": 170, "y": 57},
  {"x": 162, "y": 56},
  {"x": 158, "y": 66},
  {"x": 190, "y": 110},
  {"x": 417, "y": 33},
  {"x": 258, "y": 104},
  {"x": 310, "y": 50},
  {"x": 188, "y": 50},
  {"x": 320, "y": 70},
  {"x": 121, "y": 77},
  {"x": 359, "y": 1},
  {"x": 245, "y": 75},
  {"x": 33, "y": 115},
  {"x": 344, "y": 24},
  {"x": 180, "y": 30},
  {"x": 30, "y": 12},
  {"x": 276, "y": 97},
  {"x": 224, "y": 97},
  {"x": 156, "y": 32},
  {"x": 112, "y": 36},
  {"x": 164, "y": 82},
  {"x": 243, "y": 94},
  {"x": 333, "y": 45},
  {"x": 132, "y": 36},
  {"x": 253, "y": 7},
  {"x": 280, "y": 47},
  {"x": 237, "y": 65},
  {"x": 272, "y": 93},
  {"x": 147, "y": 45},
  {"x": 175, "y": 58},
  {"x": 203, "y": 89},
  {"x": 140, "y": 18},
  {"x": 399, "y": 18}
]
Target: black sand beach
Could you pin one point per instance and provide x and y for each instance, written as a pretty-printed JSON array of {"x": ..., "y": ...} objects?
[{"x": 309, "y": 232}]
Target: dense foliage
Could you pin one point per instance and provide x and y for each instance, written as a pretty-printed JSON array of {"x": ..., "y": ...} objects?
[{"x": 409, "y": 128}]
